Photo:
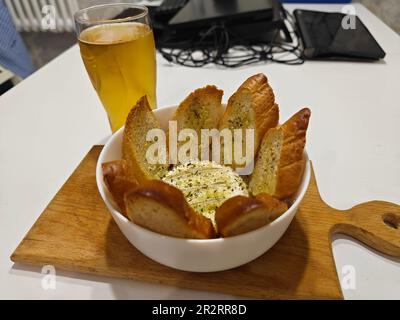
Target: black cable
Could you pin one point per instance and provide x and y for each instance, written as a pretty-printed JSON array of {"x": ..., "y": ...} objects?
[{"x": 214, "y": 46}]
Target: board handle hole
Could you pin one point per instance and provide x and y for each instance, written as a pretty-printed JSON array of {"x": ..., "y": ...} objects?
[{"x": 391, "y": 220}]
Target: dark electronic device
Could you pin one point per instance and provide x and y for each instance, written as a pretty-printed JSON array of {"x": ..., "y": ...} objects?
[
  {"x": 203, "y": 12},
  {"x": 168, "y": 9},
  {"x": 204, "y": 31},
  {"x": 250, "y": 21},
  {"x": 325, "y": 38}
]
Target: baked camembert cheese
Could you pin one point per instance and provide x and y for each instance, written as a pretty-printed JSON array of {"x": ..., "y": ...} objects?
[{"x": 206, "y": 185}]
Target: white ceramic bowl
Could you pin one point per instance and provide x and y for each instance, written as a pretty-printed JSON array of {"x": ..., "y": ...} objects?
[{"x": 191, "y": 254}]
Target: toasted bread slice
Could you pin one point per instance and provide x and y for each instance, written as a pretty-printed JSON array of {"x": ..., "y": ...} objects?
[
  {"x": 241, "y": 214},
  {"x": 118, "y": 180},
  {"x": 252, "y": 106},
  {"x": 140, "y": 120},
  {"x": 162, "y": 208},
  {"x": 279, "y": 164},
  {"x": 202, "y": 109}
]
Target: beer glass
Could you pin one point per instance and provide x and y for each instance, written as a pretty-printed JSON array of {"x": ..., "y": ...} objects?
[{"x": 117, "y": 47}]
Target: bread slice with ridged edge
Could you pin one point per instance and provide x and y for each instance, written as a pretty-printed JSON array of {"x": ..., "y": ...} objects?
[
  {"x": 162, "y": 208},
  {"x": 140, "y": 120},
  {"x": 279, "y": 163},
  {"x": 201, "y": 109},
  {"x": 252, "y": 106},
  {"x": 242, "y": 214}
]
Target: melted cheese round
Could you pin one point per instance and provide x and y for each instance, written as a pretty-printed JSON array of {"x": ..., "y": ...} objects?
[{"x": 206, "y": 185}]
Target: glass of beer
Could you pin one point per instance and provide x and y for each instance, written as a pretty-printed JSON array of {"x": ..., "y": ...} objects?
[{"x": 118, "y": 50}]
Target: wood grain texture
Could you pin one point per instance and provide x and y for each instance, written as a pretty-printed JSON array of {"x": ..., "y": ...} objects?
[{"x": 76, "y": 233}]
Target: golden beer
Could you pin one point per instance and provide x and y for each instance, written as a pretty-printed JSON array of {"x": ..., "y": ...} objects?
[{"x": 120, "y": 60}]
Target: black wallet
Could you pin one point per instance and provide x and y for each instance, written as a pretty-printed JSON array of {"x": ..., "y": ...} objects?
[{"x": 325, "y": 38}]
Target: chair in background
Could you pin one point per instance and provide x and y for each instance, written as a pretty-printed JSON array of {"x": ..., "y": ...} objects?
[{"x": 14, "y": 57}]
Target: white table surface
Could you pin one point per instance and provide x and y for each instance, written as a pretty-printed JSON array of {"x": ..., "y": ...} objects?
[{"x": 50, "y": 121}]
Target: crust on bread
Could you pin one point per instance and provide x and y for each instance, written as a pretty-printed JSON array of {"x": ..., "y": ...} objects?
[
  {"x": 291, "y": 163},
  {"x": 280, "y": 164},
  {"x": 252, "y": 106},
  {"x": 118, "y": 180},
  {"x": 266, "y": 111},
  {"x": 162, "y": 208},
  {"x": 242, "y": 214},
  {"x": 140, "y": 120},
  {"x": 201, "y": 109}
]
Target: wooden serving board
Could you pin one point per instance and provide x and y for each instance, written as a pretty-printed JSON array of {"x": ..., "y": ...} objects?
[{"x": 76, "y": 233}]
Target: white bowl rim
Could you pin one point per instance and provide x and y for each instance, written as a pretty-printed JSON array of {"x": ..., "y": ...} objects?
[{"x": 100, "y": 186}]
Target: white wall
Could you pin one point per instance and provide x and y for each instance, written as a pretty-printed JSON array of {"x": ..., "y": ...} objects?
[{"x": 387, "y": 10}]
